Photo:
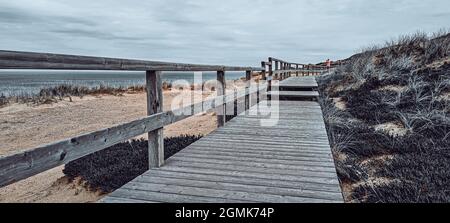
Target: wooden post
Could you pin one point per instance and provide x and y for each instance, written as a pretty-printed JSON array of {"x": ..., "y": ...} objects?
[
  {"x": 263, "y": 77},
  {"x": 220, "y": 88},
  {"x": 286, "y": 74},
  {"x": 289, "y": 70},
  {"x": 296, "y": 68},
  {"x": 235, "y": 102},
  {"x": 155, "y": 105},
  {"x": 276, "y": 69},
  {"x": 263, "y": 73},
  {"x": 248, "y": 77},
  {"x": 269, "y": 82},
  {"x": 257, "y": 93}
]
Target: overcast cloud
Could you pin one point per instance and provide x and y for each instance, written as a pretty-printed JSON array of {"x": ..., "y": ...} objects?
[{"x": 231, "y": 32}]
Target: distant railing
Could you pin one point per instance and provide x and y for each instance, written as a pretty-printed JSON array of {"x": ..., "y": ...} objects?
[{"x": 31, "y": 162}]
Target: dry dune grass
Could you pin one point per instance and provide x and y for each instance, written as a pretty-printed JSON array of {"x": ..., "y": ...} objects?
[{"x": 391, "y": 140}]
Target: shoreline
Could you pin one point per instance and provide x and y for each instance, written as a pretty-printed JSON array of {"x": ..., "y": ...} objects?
[{"x": 54, "y": 94}]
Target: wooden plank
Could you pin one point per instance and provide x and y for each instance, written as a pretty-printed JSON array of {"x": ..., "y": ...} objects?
[
  {"x": 286, "y": 136},
  {"x": 284, "y": 71},
  {"x": 265, "y": 149},
  {"x": 156, "y": 196},
  {"x": 316, "y": 177},
  {"x": 225, "y": 176},
  {"x": 294, "y": 93},
  {"x": 313, "y": 169},
  {"x": 115, "y": 200},
  {"x": 277, "y": 156},
  {"x": 31, "y": 60},
  {"x": 154, "y": 105},
  {"x": 200, "y": 182},
  {"x": 232, "y": 156},
  {"x": 250, "y": 175},
  {"x": 250, "y": 197},
  {"x": 216, "y": 138}
]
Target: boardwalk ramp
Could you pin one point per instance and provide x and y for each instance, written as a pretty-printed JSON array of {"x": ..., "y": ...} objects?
[{"x": 289, "y": 161}]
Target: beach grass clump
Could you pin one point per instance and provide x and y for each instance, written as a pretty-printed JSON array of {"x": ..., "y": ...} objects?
[
  {"x": 391, "y": 140},
  {"x": 111, "y": 168},
  {"x": 3, "y": 100},
  {"x": 57, "y": 93}
]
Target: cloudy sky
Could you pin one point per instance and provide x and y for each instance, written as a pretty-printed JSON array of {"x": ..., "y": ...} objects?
[{"x": 231, "y": 32}]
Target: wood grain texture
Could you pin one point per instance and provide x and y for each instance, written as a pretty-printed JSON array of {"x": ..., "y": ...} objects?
[
  {"x": 248, "y": 77},
  {"x": 220, "y": 89},
  {"x": 288, "y": 162},
  {"x": 32, "y": 60},
  {"x": 154, "y": 106}
]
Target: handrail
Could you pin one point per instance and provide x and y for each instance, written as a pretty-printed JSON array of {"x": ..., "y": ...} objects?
[
  {"x": 32, "y": 60},
  {"x": 283, "y": 69}
]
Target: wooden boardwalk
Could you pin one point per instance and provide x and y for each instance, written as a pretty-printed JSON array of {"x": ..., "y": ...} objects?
[
  {"x": 243, "y": 161},
  {"x": 298, "y": 83}
]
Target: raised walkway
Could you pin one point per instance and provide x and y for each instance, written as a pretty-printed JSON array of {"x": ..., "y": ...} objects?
[{"x": 244, "y": 161}]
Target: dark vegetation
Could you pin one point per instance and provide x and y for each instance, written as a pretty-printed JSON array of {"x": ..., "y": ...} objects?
[
  {"x": 109, "y": 169},
  {"x": 406, "y": 84}
]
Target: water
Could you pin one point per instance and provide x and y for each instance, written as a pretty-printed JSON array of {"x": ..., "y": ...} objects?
[{"x": 16, "y": 82}]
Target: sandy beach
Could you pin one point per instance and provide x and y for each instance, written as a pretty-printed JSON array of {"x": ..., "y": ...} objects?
[{"x": 23, "y": 127}]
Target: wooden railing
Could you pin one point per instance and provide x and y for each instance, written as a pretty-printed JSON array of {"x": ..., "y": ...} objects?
[
  {"x": 285, "y": 69},
  {"x": 33, "y": 161}
]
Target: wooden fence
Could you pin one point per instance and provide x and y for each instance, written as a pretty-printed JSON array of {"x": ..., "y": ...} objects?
[{"x": 33, "y": 161}]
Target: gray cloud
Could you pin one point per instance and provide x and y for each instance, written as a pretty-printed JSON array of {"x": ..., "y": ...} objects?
[{"x": 235, "y": 32}]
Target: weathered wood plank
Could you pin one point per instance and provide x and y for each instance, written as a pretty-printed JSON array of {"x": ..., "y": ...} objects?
[
  {"x": 314, "y": 169},
  {"x": 250, "y": 175},
  {"x": 224, "y": 176},
  {"x": 267, "y": 141},
  {"x": 154, "y": 106},
  {"x": 115, "y": 200},
  {"x": 236, "y": 186},
  {"x": 156, "y": 196},
  {"x": 314, "y": 161},
  {"x": 272, "y": 156},
  {"x": 222, "y": 194},
  {"x": 31, "y": 60},
  {"x": 247, "y": 150},
  {"x": 263, "y": 149},
  {"x": 294, "y": 93},
  {"x": 322, "y": 177}
]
